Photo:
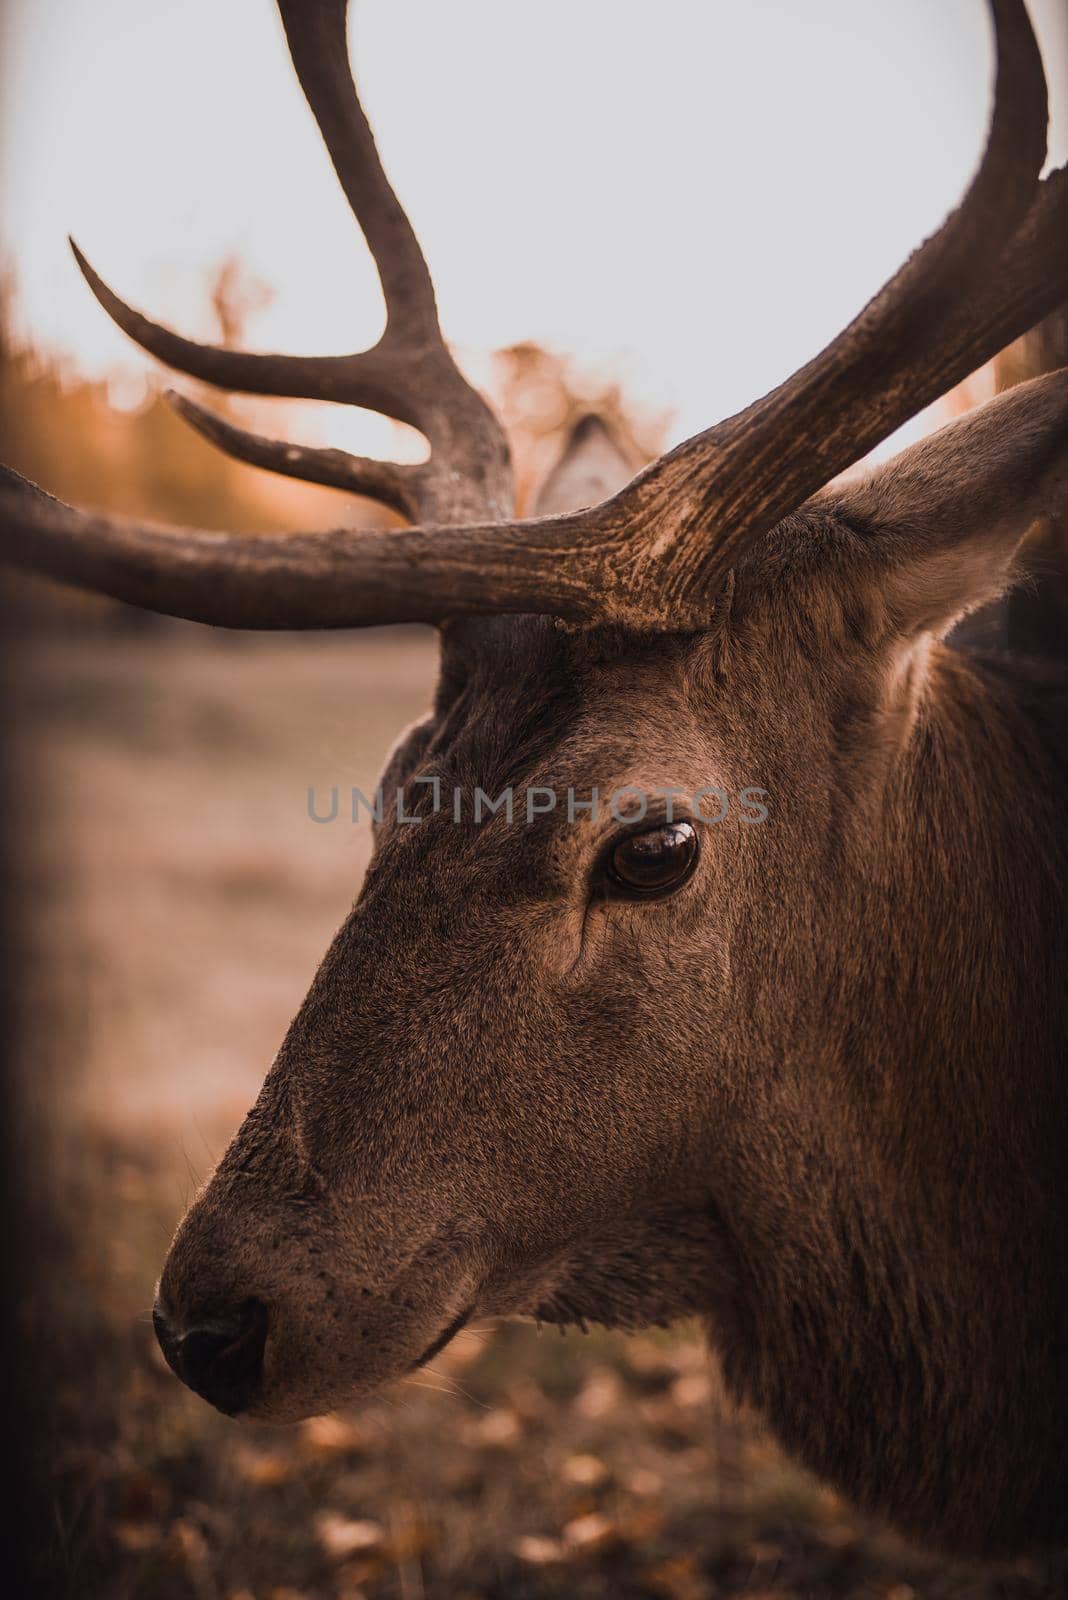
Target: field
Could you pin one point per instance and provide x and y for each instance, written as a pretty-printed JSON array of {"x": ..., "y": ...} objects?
[{"x": 175, "y": 898}]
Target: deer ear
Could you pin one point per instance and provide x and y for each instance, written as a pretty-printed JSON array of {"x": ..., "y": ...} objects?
[
  {"x": 593, "y": 466},
  {"x": 941, "y": 522}
]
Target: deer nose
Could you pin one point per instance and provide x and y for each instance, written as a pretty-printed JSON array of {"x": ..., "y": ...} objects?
[{"x": 219, "y": 1357}]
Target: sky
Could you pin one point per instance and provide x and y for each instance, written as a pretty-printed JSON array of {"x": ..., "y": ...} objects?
[{"x": 691, "y": 197}]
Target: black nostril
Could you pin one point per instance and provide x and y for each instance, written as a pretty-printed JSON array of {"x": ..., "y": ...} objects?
[{"x": 220, "y": 1357}]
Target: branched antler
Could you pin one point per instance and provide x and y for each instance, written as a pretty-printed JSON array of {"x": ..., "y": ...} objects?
[
  {"x": 409, "y": 374},
  {"x": 653, "y": 555}
]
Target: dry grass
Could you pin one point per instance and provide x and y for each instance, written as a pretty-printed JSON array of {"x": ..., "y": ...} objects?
[{"x": 178, "y": 899}]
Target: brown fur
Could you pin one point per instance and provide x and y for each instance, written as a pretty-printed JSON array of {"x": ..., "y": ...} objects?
[{"x": 817, "y": 1096}]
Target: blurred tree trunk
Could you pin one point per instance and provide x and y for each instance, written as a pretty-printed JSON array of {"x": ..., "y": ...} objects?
[
  {"x": 1037, "y": 610},
  {"x": 1032, "y": 619}
]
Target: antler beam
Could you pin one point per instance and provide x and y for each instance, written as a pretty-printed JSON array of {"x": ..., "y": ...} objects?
[{"x": 339, "y": 579}]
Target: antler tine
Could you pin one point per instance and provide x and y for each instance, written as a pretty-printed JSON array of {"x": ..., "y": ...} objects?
[
  {"x": 299, "y": 377},
  {"x": 462, "y": 430},
  {"x": 408, "y": 375},
  {"x": 743, "y": 476},
  {"x": 389, "y": 482},
  {"x": 316, "y": 33}
]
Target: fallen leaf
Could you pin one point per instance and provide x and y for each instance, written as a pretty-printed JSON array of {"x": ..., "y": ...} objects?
[
  {"x": 497, "y": 1428},
  {"x": 538, "y": 1551},
  {"x": 342, "y": 1537},
  {"x": 599, "y": 1395},
  {"x": 331, "y": 1435},
  {"x": 586, "y": 1472},
  {"x": 263, "y": 1469},
  {"x": 590, "y": 1532}
]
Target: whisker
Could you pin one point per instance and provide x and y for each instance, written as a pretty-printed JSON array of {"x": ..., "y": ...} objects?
[{"x": 458, "y": 1388}]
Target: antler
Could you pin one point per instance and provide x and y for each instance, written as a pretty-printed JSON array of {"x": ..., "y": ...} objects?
[
  {"x": 409, "y": 374},
  {"x": 654, "y": 555},
  {"x": 951, "y": 307}
]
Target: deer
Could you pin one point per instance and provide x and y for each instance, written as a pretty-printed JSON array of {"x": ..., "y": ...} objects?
[{"x": 805, "y": 1081}]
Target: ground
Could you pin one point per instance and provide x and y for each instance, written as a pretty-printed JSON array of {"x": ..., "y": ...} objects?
[{"x": 174, "y": 899}]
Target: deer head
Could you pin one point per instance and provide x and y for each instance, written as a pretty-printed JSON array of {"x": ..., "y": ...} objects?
[{"x": 625, "y": 1068}]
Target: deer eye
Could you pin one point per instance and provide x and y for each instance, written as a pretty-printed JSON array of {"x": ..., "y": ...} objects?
[{"x": 655, "y": 862}]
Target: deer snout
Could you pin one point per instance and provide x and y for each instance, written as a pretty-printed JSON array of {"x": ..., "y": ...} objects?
[{"x": 219, "y": 1357}]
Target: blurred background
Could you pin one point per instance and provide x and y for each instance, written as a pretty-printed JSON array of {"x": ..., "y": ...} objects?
[{"x": 654, "y": 214}]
